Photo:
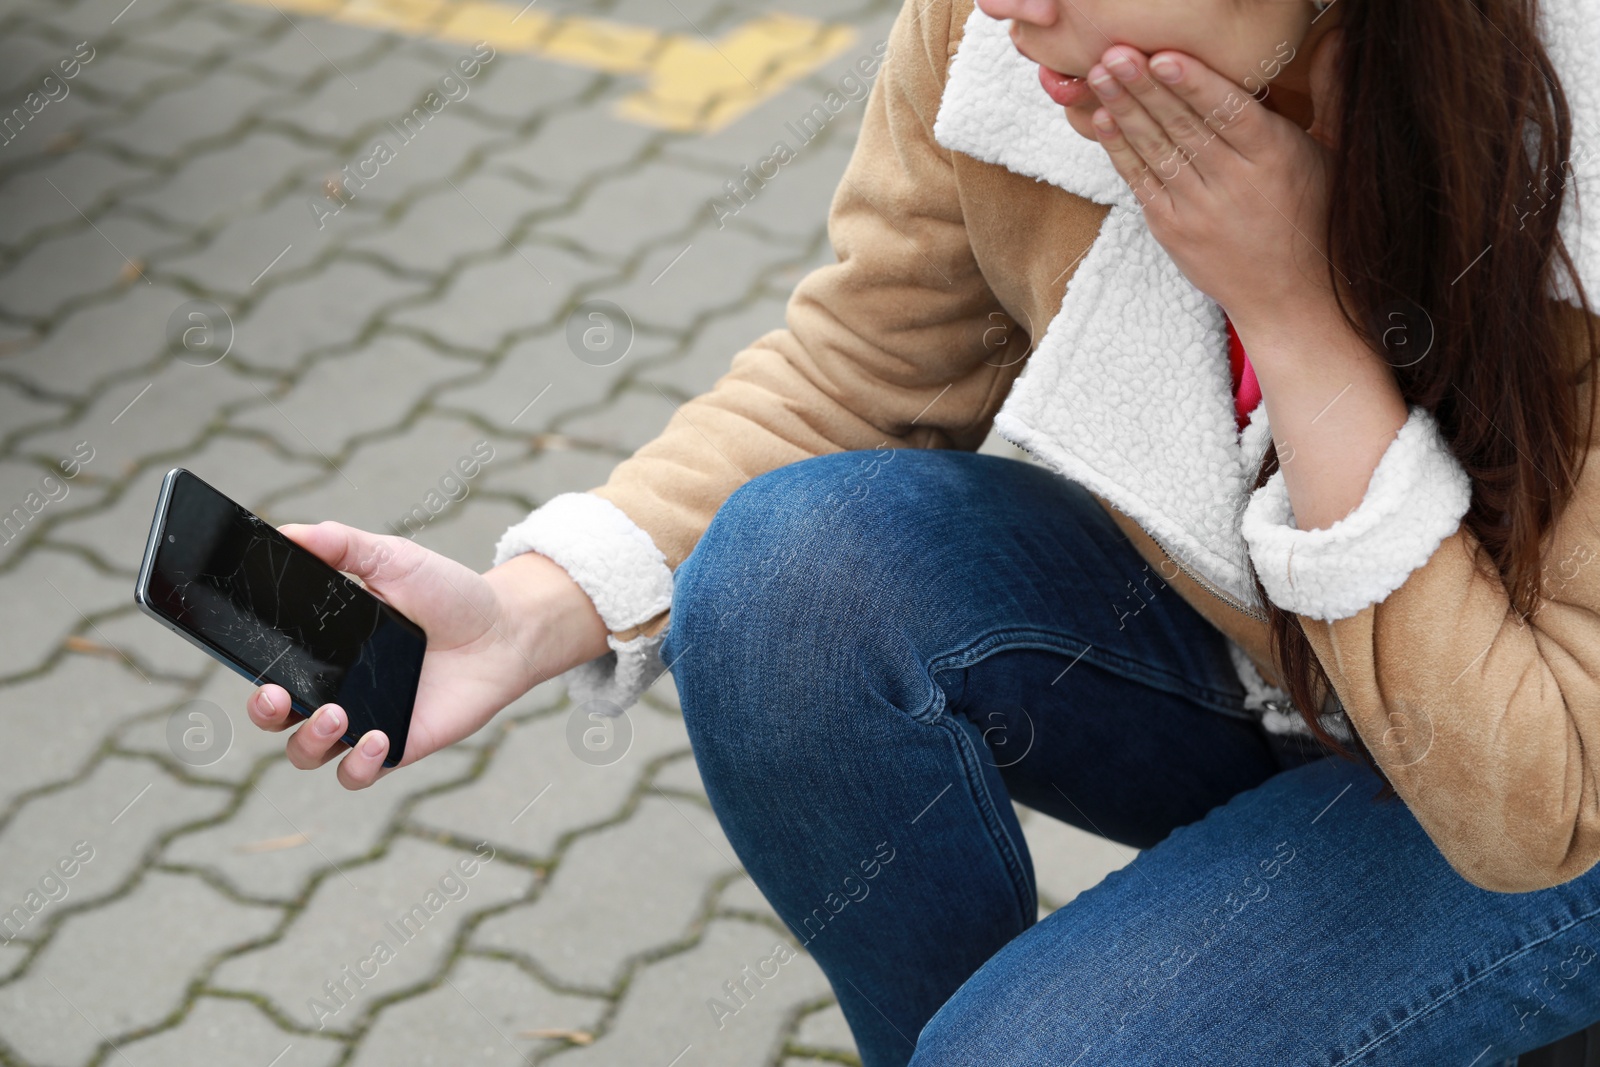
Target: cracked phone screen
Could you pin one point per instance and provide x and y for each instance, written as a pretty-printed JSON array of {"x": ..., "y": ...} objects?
[{"x": 279, "y": 614}]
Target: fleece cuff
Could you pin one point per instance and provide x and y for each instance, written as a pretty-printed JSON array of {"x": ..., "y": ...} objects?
[
  {"x": 614, "y": 561},
  {"x": 1416, "y": 498}
]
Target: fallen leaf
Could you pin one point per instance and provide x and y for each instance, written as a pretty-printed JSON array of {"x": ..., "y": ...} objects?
[
  {"x": 273, "y": 844},
  {"x": 132, "y": 270},
  {"x": 83, "y": 644},
  {"x": 575, "y": 1037}
]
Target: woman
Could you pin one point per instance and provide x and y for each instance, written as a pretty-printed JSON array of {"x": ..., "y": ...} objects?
[{"x": 1314, "y": 627}]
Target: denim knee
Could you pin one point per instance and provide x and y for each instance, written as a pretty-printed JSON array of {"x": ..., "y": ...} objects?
[{"x": 780, "y": 558}]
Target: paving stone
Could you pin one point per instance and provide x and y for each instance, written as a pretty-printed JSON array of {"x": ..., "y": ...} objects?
[
  {"x": 757, "y": 134},
  {"x": 389, "y": 377},
  {"x": 98, "y": 341},
  {"x": 228, "y": 1033},
  {"x": 536, "y": 382},
  {"x": 389, "y": 89},
  {"x": 570, "y": 148},
  {"x": 513, "y": 87},
  {"x": 171, "y": 924},
  {"x": 76, "y": 265},
  {"x": 1067, "y": 860},
  {"x": 537, "y": 789},
  {"x": 51, "y": 724},
  {"x": 794, "y": 202},
  {"x": 166, "y": 414},
  {"x": 349, "y": 915},
  {"x": 13, "y": 954},
  {"x": 242, "y": 469},
  {"x": 252, "y": 253},
  {"x": 324, "y": 311},
  {"x": 635, "y": 416},
  {"x": 441, "y": 226},
  {"x": 294, "y": 823},
  {"x": 60, "y": 589},
  {"x": 469, "y": 531},
  {"x": 670, "y": 1003},
  {"x": 125, "y": 75},
  {"x": 717, "y": 341},
  {"x": 742, "y": 895},
  {"x": 520, "y": 291},
  {"x": 439, "y": 150},
  {"x": 99, "y": 829},
  {"x": 385, "y": 477},
  {"x": 826, "y": 1030},
  {"x": 33, "y": 494},
  {"x": 57, "y": 117},
  {"x": 94, "y": 16},
  {"x": 173, "y": 122},
  {"x": 86, "y": 178},
  {"x": 24, "y": 57},
  {"x": 228, "y": 182},
  {"x": 481, "y": 1014},
  {"x": 312, "y": 48},
  {"x": 640, "y": 208},
  {"x": 225, "y": 694},
  {"x": 194, "y": 38},
  {"x": 618, "y": 893},
  {"x": 681, "y": 775},
  {"x": 552, "y": 471},
  {"x": 718, "y": 272}
]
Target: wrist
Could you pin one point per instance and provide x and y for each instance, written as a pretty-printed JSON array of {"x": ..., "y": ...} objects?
[{"x": 547, "y": 615}]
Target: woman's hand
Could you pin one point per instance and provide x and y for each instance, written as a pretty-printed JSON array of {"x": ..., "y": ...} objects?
[
  {"x": 491, "y": 638},
  {"x": 1235, "y": 193}
]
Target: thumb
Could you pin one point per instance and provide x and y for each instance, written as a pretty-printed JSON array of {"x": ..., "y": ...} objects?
[
  {"x": 376, "y": 559},
  {"x": 1326, "y": 83}
]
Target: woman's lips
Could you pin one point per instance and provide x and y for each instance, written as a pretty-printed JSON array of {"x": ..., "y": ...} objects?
[{"x": 1064, "y": 89}]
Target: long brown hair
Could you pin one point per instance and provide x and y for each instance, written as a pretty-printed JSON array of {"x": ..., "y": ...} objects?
[{"x": 1442, "y": 230}]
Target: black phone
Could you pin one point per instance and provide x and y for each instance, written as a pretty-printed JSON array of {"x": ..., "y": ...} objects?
[{"x": 227, "y": 581}]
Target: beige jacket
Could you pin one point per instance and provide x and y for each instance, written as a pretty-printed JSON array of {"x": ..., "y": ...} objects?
[{"x": 993, "y": 270}]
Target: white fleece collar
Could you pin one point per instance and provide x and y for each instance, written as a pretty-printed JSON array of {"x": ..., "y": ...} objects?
[{"x": 1128, "y": 390}]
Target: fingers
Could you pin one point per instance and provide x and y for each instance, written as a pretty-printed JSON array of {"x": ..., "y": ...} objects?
[
  {"x": 269, "y": 708},
  {"x": 1147, "y": 116},
  {"x": 1129, "y": 163},
  {"x": 364, "y": 764},
  {"x": 320, "y": 738},
  {"x": 317, "y": 740},
  {"x": 1228, "y": 117}
]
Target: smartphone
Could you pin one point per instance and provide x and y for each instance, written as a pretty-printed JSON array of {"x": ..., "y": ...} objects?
[{"x": 227, "y": 581}]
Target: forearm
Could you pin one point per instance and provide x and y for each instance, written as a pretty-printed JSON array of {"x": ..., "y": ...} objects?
[{"x": 1332, "y": 402}]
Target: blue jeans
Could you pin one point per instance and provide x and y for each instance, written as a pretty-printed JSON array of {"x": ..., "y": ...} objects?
[{"x": 876, "y": 653}]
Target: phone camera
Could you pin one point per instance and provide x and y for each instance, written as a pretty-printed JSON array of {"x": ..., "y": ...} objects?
[{"x": 172, "y": 538}]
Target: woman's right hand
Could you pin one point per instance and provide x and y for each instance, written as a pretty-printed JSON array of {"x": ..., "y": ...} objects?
[{"x": 491, "y": 638}]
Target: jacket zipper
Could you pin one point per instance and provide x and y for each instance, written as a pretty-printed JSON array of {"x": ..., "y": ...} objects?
[{"x": 1226, "y": 598}]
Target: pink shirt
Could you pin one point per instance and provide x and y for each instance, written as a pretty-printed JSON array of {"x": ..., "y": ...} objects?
[{"x": 1246, "y": 392}]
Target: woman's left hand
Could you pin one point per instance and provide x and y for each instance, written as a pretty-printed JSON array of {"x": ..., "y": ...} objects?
[{"x": 1236, "y": 194}]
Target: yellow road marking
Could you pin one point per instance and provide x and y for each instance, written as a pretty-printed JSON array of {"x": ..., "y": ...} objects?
[{"x": 691, "y": 84}]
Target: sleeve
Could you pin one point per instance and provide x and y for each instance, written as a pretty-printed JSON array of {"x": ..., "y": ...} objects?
[
  {"x": 1486, "y": 722},
  {"x": 883, "y": 348}
]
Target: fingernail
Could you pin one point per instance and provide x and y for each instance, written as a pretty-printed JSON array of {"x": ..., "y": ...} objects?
[
  {"x": 1105, "y": 85},
  {"x": 1122, "y": 66},
  {"x": 1166, "y": 69},
  {"x": 372, "y": 745},
  {"x": 327, "y": 723}
]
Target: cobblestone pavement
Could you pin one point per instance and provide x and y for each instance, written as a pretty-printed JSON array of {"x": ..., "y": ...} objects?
[{"x": 347, "y": 328}]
